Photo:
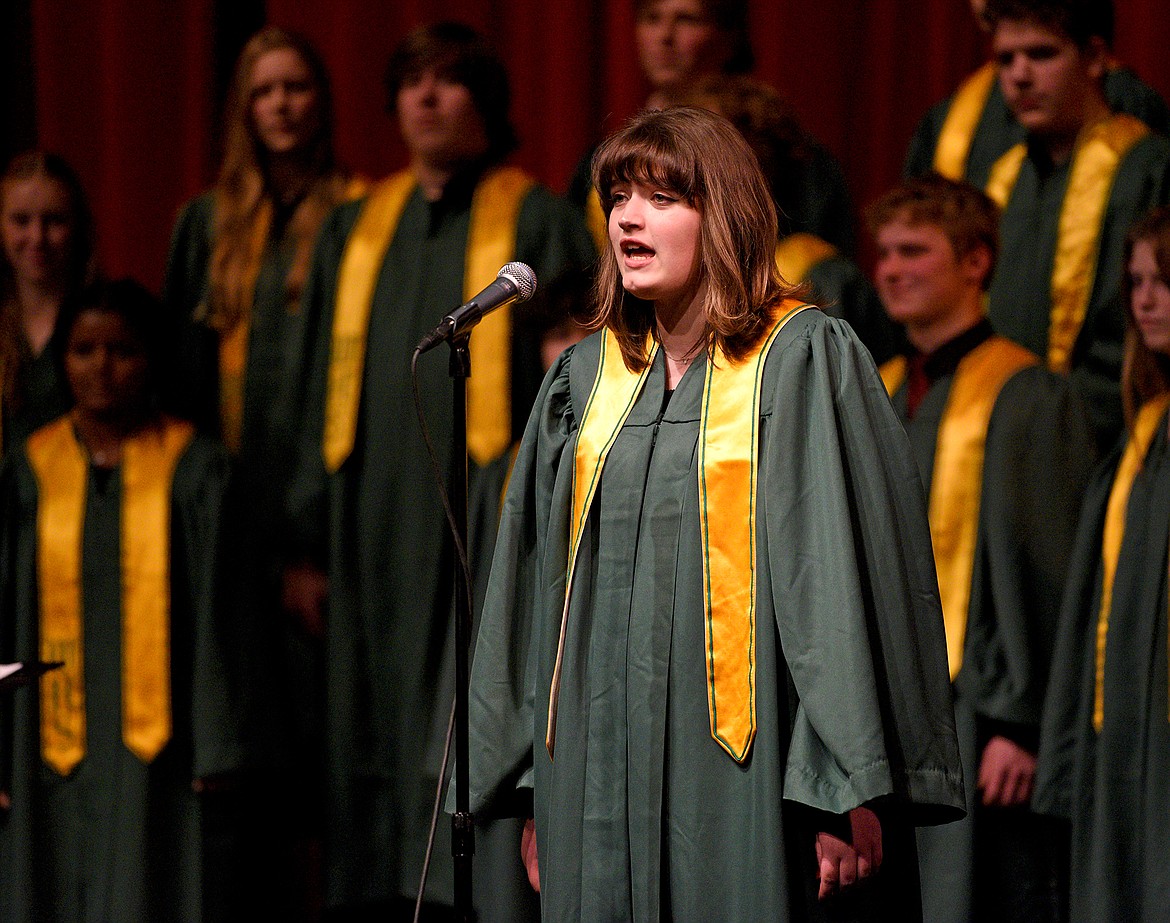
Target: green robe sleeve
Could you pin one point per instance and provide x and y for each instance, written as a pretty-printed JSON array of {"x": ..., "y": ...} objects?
[
  {"x": 307, "y": 526},
  {"x": 848, "y": 551},
  {"x": 503, "y": 679},
  {"x": 1039, "y": 456},
  {"x": 218, "y": 662},
  {"x": 19, "y": 717},
  {"x": 8, "y": 653},
  {"x": 1073, "y": 661},
  {"x": 1125, "y": 91},
  {"x": 192, "y": 386}
]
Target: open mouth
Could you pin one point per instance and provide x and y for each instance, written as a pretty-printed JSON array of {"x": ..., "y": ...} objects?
[{"x": 635, "y": 252}]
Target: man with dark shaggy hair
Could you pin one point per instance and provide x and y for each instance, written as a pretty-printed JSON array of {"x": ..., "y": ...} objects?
[
  {"x": 1069, "y": 193},
  {"x": 365, "y": 511}
]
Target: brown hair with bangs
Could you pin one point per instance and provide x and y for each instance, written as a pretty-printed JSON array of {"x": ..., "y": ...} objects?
[
  {"x": 700, "y": 157},
  {"x": 1144, "y": 373},
  {"x": 1080, "y": 20}
]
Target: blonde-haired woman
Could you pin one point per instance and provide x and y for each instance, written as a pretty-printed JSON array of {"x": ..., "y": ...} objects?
[{"x": 239, "y": 258}]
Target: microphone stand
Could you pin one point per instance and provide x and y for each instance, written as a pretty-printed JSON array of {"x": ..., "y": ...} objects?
[{"x": 462, "y": 822}]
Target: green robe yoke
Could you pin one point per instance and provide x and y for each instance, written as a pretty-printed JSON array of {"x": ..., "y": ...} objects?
[{"x": 643, "y": 816}]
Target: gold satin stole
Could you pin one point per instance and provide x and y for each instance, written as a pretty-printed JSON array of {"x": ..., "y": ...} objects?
[
  {"x": 491, "y": 242},
  {"x": 1100, "y": 151},
  {"x": 958, "y": 130},
  {"x": 1145, "y": 427},
  {"x": 727, "y": 475},
  {"x": 956, "y": 484},
  {"x": 61, "y": 467}
]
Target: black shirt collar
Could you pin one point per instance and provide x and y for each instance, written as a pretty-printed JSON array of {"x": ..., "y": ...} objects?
[{"x": 944, "y": 360}]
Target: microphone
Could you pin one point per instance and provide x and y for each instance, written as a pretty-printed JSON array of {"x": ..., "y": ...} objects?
[{"x": 514, "y": 282}]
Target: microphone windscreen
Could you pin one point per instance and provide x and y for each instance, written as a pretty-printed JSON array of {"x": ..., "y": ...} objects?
[{"x": 523, "y": 276}]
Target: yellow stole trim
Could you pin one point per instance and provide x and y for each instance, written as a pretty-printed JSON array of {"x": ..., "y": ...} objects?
[
  {"x": 61, "y": 469},
  {"x": 727, "y": 475},
  {"x": 958, "y": 129},
  {"x": 614, "y": 393},
  {"x": 1004, "y": 173},
  {"x": 1144, "y": 429},
  {"x": 491, "y": 242},
  {"x": 796, "y": 254},
  {"x": 360, "y": 267},
  {"x": 728, "y": 466},
  {"x": 233, "y": 344},
  {"x": 595, "y": 220},
  {"x": 956, "y": 486},
  {"x": 893, "y": 373},
  {"x": 1100, "y": 150}
]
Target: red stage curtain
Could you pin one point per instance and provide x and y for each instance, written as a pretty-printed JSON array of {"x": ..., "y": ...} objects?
[
  {"x": 122, "y": 89},
  {"x": 124, "y": 86}
]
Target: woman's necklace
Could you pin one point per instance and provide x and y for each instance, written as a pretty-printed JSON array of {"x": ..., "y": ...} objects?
[
  {"x": 686, "y": 358},
  {"x": 102, "y": 459}
]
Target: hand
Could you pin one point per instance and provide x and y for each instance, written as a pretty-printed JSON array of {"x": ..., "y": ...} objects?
[
  {"x": 528, "y": 854},
  {"x": 840, "y": 864},
  {"x": 1006, "y": 773},
  {"x": 5, "y": 801},
  {"x": 304, "y": 588}
]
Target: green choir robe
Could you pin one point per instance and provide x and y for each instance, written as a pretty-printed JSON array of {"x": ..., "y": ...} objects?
[
  {"x": 117, "y": 839},
  {"x": 1114, "y": 785},
  {"x": 642, "y": 815},
  {"x": 1019, "y": 299},
  {"x": 282, "y": 665},
  {"x": 997, "y": 130},
  {"x": 1038, "y": 459},
  {"x": 378, "y": 523}
]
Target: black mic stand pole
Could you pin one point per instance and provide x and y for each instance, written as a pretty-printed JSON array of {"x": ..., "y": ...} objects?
[{"x": 462, "y": 823}]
